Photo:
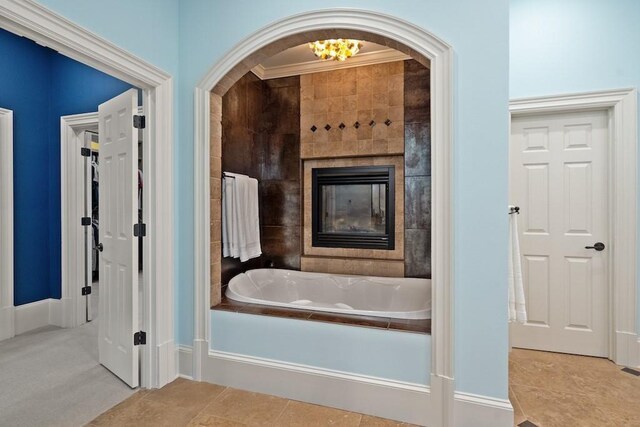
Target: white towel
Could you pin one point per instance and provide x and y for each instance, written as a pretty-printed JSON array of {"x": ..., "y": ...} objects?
[
  {"x": 517, "y": 307},
  {"x": 240, "y": 217}
]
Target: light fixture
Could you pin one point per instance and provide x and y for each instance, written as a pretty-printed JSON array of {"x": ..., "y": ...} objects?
[{"x": 335, "y": 49}]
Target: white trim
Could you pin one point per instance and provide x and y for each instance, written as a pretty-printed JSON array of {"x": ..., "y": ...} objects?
[
  {"x": 622, "y": 249},
  {"x": 38, "y": 314},
  {"x": 481, "y": 411},
  {"x": 7, "y": 328},
  {"x": 29, "y": 19},
  {"x": 316, "y": 66},
  {"x": 441, "y": 57},
  {"x": 358, "y": 393},
  {"x": 185, "y": 362},
  {"x": 71, "y": 206}
]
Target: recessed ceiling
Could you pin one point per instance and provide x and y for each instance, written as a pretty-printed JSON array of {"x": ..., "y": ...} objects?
[{"x": 301, "y": 60}]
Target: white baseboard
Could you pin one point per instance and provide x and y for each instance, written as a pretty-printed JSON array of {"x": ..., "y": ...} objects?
[
  {"x": 481, "y": 411},
  {"x": 166, "y": 363},
  {"x": 358, "y": 393},
  {"x": 184, "y": 360},
  {"x": 7, "y": 324},
  {"x": 32, "y": 316},
  {"x": 627, "y": 349}
]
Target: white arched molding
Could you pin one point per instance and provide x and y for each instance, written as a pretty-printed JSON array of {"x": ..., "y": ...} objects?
[
  {"x": 7, "y": 328},
  {"x": 441, "y": 56}
]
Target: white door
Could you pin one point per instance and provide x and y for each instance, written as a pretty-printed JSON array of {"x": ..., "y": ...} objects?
[
  {"x": 118, "y": 178},
  {"x": 558, "y": 177}
]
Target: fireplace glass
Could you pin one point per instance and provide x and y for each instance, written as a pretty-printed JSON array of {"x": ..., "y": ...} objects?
[{"x": 353, "y": 207}]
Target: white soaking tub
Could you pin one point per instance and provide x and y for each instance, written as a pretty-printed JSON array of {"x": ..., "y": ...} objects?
[{"x": 391, "y": 297}]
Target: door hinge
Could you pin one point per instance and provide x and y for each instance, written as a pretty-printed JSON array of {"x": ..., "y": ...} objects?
[
  {"x": 85, "y": 152},
  {"x": 86, "y": 220},
  {"x": 139, "y": 122},
  {"x": 140, "y": 338},
  {"x": 139, "y": 229},
  {"x": 86, "y": 290}
]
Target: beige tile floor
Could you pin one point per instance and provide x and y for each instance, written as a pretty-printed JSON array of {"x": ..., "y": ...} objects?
[
  {"x": 553, "y": 389},
  {"x": 547, "y": 389},
  {"x": 193, "y": 404}
]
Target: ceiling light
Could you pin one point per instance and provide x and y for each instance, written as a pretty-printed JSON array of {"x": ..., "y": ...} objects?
[{"x": 335, "y": 49}]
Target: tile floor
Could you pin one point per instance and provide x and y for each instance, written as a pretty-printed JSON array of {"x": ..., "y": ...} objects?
[
  {"x": 193, "y": 404},
  {"x": 546, "y": 389},
  {"x": 552, "y": 389}
]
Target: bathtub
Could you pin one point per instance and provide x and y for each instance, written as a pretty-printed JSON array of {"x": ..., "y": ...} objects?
[{"x": 390, "y": 297}]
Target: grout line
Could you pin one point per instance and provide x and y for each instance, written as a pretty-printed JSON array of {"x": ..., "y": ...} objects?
[
  {"x": 282, "y": 412},
  {"x": 207, "y": 405},
  {"x": 515, "y": 397}
]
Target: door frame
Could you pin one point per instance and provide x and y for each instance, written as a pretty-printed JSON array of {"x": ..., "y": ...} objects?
[
  {"x": 621, "y": 105},
  {"x": 7, "y": 323},
  {"x": 29, "y": 19},
  {"x": 441, "y": 56}
]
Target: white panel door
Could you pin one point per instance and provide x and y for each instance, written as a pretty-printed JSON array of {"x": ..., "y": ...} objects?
[
  {"x": 118, "y": 179},
  {"x": 558, "y": 177}
]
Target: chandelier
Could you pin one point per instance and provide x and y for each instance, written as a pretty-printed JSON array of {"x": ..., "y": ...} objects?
[{"x": 335, "y": 49}]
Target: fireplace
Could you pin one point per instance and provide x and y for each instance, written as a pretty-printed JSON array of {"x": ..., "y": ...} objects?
[{"x": 353, "y": 207}]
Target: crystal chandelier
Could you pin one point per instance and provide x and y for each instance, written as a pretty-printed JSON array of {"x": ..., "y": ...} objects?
[{"x": 335, "y": 49}]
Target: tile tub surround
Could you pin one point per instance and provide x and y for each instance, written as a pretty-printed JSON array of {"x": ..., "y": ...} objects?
[
  {"x": 353, "y": 112},
  {"x": 395, "y": 254},
  {"x": 417, "y": 169},
  {"x": 189, "y": 403},
  {"x": 260, "y": 138}
]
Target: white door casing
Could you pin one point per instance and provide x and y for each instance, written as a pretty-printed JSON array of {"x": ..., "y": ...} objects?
[
  {"x": 559, "y": 178},
  {"x": 622, "y": 108},
  {"x": 7, "y": 328},
  {"x": 30, "y": 19},
  {"x": 118, "y": 302}
]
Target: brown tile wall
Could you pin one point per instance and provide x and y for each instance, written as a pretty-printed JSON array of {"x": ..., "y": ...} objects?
[
  {"x": 344, "y": 97},
  {"x": 371, "y": 267},
  {"x": 261, "y": 138},
  {"x": 417, "y": 132}
]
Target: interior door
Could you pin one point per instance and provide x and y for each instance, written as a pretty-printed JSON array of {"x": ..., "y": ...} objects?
[
  {"x": 558, "y": 177},
  {"x": 118, "y": 185}
]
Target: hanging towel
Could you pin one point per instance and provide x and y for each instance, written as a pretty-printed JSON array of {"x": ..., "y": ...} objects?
[
  {"x": 517, "y": 308},
  {"x": 240, "y": 217}
]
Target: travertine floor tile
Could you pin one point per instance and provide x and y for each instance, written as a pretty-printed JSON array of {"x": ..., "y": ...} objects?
[
  {"x": 369, "y": 421},
  {"x": 307, "y": 415},
  {"x": 145, "y": 412},
  {"x": 205, "y": 420},
  {"x": 189, "y": 395},
  {"x": 245, "y": 407}
]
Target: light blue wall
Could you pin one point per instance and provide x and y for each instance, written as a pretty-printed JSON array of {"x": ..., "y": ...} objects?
[
  {"x": 568, "y": 46},
  {"x": 478, "y": 31},
  {"x": 374, "y": 352}
]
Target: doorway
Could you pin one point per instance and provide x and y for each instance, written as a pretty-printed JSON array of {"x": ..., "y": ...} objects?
[{"x": 572, "y": 173}]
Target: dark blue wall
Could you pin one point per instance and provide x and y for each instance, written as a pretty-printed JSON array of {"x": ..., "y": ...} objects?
[{"x": 40, "y": 85}]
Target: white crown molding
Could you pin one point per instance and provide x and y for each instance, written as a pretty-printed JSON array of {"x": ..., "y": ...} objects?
[{"x": 318, "y": 65}]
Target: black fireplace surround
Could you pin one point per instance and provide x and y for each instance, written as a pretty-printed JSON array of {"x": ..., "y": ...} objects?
[{"x": 353, "y": 207}]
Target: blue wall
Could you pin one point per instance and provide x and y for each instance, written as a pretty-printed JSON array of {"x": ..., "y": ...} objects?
[
  {"x": 478, "y": 32},
  {"x": 25, "y": 88},
  {"x": 40, "y": 85},
  {"x": 568, "y": 46}
]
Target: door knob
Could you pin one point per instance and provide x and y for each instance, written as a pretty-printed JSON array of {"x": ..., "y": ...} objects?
[
  {"x": 100, "y": 247},
  {"x": 598, "y": 246}
]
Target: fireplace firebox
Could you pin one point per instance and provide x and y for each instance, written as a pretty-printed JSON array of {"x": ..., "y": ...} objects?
[{"x": 353, "y": 207}]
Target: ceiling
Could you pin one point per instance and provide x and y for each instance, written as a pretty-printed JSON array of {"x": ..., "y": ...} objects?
[{"x": 301, "y": 60}]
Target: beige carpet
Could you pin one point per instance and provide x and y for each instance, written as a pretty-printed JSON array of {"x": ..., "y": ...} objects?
[{"x": 51, "y": 377}]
